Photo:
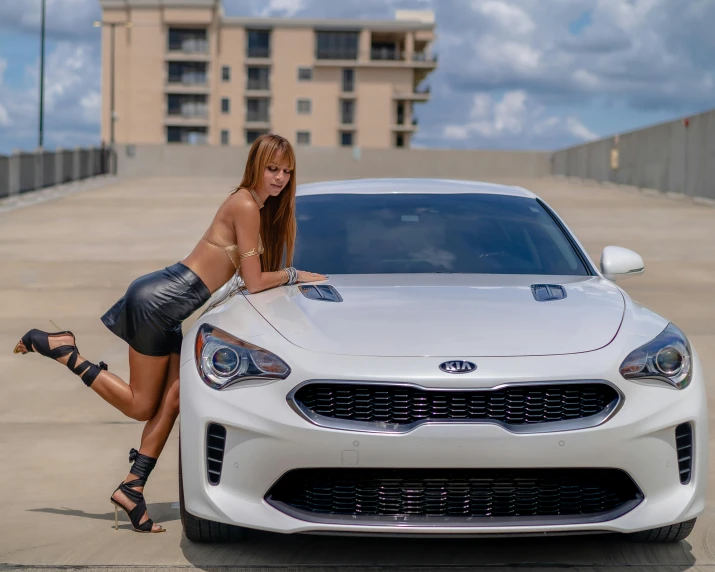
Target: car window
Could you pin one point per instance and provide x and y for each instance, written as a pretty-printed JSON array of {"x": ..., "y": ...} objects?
[{"x": 413, "y": 233}]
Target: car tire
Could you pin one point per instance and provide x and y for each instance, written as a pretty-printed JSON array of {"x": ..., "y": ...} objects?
[
  {"x": 672, "y": 533},
  {"x": 200, "y": 529}
]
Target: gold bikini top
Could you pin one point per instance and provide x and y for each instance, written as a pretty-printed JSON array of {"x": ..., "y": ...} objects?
[{"x": 231, "y": 249}]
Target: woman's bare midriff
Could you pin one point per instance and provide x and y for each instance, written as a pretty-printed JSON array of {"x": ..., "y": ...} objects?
[{"x": 211, "y": 264}]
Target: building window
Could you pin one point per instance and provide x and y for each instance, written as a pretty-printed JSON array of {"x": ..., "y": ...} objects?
[
  {"x": 304, "y": 106},
  {"x": 337, "y": 45},
  {"x": 189, "y": 73},
  {"x": 224, "y": 137},
  {"x": 303, "y": 138},
  {"x": 346, "y": 138},
  {"x": 399, "y": 140},
  {"x": 187, "y": 135},
  {"x": 253, "y": 134},
  {"x": 186, "y": 105},
  {"x": 257, "y": 109},
  {"x": 225, "y": 105},
  {"x": 188, "y": 40},
  {"x": 347, "y": 111},
  {"x": 226, "y": 73},
  {"x": 258, "y": 43},
  {"x": 348, "y": 80},
  {"x": 258, "y": 78},
  {"x": 400, "y": 113},
  {"x": 305, "y": 74}
]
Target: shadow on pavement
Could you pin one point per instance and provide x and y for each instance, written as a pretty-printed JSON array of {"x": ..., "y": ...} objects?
[
  {"x": 160, "y": 512},
  {"x": 264, "y": 549}
]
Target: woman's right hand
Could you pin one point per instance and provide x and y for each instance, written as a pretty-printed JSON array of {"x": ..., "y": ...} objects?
[{"x": 304, "y": 276}]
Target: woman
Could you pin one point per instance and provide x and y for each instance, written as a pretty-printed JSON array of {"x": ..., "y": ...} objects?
[{"x": 149, "y": 316}]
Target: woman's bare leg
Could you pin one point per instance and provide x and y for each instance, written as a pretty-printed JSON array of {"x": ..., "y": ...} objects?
[
  {"x": 137, "y": 399},
  {"x": 157, "y": 430}
]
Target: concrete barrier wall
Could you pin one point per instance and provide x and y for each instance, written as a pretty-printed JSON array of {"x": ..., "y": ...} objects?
[
  {"x": 678, "y": 157},
  {"x": 316, "y": 163},
  {"x": 4, "y": 176},
  {"x": 22, "y": 172}
]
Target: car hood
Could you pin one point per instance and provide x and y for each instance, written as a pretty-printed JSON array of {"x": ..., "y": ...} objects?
[{"x": 452, "y": 316}]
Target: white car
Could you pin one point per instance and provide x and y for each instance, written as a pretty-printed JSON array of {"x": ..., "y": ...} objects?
[{"x": 466, "y": 369}]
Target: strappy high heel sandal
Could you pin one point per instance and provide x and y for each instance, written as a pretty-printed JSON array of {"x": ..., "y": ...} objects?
[
  {"x": 142, "y": 467},
  {"x": 39, "y": 341}
]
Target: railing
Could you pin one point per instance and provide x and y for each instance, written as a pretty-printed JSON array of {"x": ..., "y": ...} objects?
[
  {"x": 333, "y": 54},
  {"x": 22, "y": 172},
  {"x": 189, "y": 78},
  {"x": 258, "y": 52},
  {"x": 190, "y": 46},
  {"x": 190, "y": 110},
  {"x": 256, "y": 117},
  {"x": 257, "y": 85},
  {"x": 376, "y": 54}
]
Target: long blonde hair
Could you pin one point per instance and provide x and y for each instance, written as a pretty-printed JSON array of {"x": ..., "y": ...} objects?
[{"x": 278, "y": 224}]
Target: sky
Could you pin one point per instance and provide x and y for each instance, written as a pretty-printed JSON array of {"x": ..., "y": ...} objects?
[{"x": 512, "y": 74}]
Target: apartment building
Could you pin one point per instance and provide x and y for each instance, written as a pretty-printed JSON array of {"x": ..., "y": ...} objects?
[{"x": 180, "y": 71}]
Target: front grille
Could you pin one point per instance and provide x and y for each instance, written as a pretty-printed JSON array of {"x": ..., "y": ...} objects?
[
  {"x": 407, "y": 405},
  {"x": 444, "y": 493},
  {"x": 215, "y": 446},
  {"x": 684, "y": 444}
]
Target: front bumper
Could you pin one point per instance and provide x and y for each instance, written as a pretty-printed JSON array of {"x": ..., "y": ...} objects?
[{"x": 266, "y": 439}]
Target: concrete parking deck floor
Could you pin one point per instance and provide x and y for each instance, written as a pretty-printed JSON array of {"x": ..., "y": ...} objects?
[{"x": 64, "y": 450}]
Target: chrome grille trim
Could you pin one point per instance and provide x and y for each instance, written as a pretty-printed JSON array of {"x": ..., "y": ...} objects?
[{"x": 392, "y": 428}]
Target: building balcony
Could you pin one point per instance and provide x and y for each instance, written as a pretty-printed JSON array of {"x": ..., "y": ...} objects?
[
  {"x": 186, "y": 119},
  {"x": 179, "y": 55},
  {"x": 406, "y": 126},
  {"x": 376, "y": 58},
  {"x": 257, "y": 123},
  {"x": 258, "y": 88},
  {"x": 258, "y": 56},
  {"x": 186, "y": 87},
  {"x": 418, "y": 94},
  {"x": 258, "y": 93}
]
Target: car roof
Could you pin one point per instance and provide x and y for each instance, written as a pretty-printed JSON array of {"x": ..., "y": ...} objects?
[{"x": 410, "y": 185}]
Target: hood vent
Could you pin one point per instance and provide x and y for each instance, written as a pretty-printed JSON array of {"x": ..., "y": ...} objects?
[
  {"x": 547, "y": 292},
  {"x": 323, "y": 293}
]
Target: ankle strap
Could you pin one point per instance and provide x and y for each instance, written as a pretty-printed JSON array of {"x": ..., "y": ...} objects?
[
  {"x": 87, "y": 371},
  {"x": 143, "y": 465}
]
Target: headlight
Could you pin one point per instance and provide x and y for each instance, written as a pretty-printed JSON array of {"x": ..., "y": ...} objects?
[
  {"x": 223, "y": 360},
  {"x": 666, "y": 358}
]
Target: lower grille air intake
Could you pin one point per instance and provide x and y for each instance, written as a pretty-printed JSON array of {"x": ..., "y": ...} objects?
[
  {"x": 215, "y": 446},
  {"x": 454, "y": 495},
  {"x": 684, "y": 444}
]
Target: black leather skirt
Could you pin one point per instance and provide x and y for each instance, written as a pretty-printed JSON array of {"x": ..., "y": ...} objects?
[{"x": 148, "y": 317}]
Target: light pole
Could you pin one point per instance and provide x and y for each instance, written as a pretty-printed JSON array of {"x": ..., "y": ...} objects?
[
  {"x": 112, "y": 113},
  {"x": 42, "y": 76}
]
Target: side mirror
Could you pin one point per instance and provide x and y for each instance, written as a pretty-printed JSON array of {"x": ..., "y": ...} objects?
[{"x": 617, "y": 262}]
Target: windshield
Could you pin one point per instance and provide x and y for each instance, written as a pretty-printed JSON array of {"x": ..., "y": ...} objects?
[{"x": 412, "y": 233}]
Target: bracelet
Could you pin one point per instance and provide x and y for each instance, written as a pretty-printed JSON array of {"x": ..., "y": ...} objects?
[{"x": 292, "y": 274}]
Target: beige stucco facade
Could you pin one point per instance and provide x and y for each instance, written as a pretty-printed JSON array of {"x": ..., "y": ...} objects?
[{"x": 182, "y": 72}]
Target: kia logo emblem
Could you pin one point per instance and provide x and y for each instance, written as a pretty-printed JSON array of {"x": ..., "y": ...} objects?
[{"x": 457, "y": 366}]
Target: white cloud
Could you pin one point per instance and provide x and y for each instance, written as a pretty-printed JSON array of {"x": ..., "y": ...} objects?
[
  {"x": 509, "y": 16},
  {"x": 64, "y": 19},
  {"x": 579, "y": 130},
  {"x": 516, "y": 117},
  {"x": 72, "y": 100},
  {"x": 285, "y": 8}
]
